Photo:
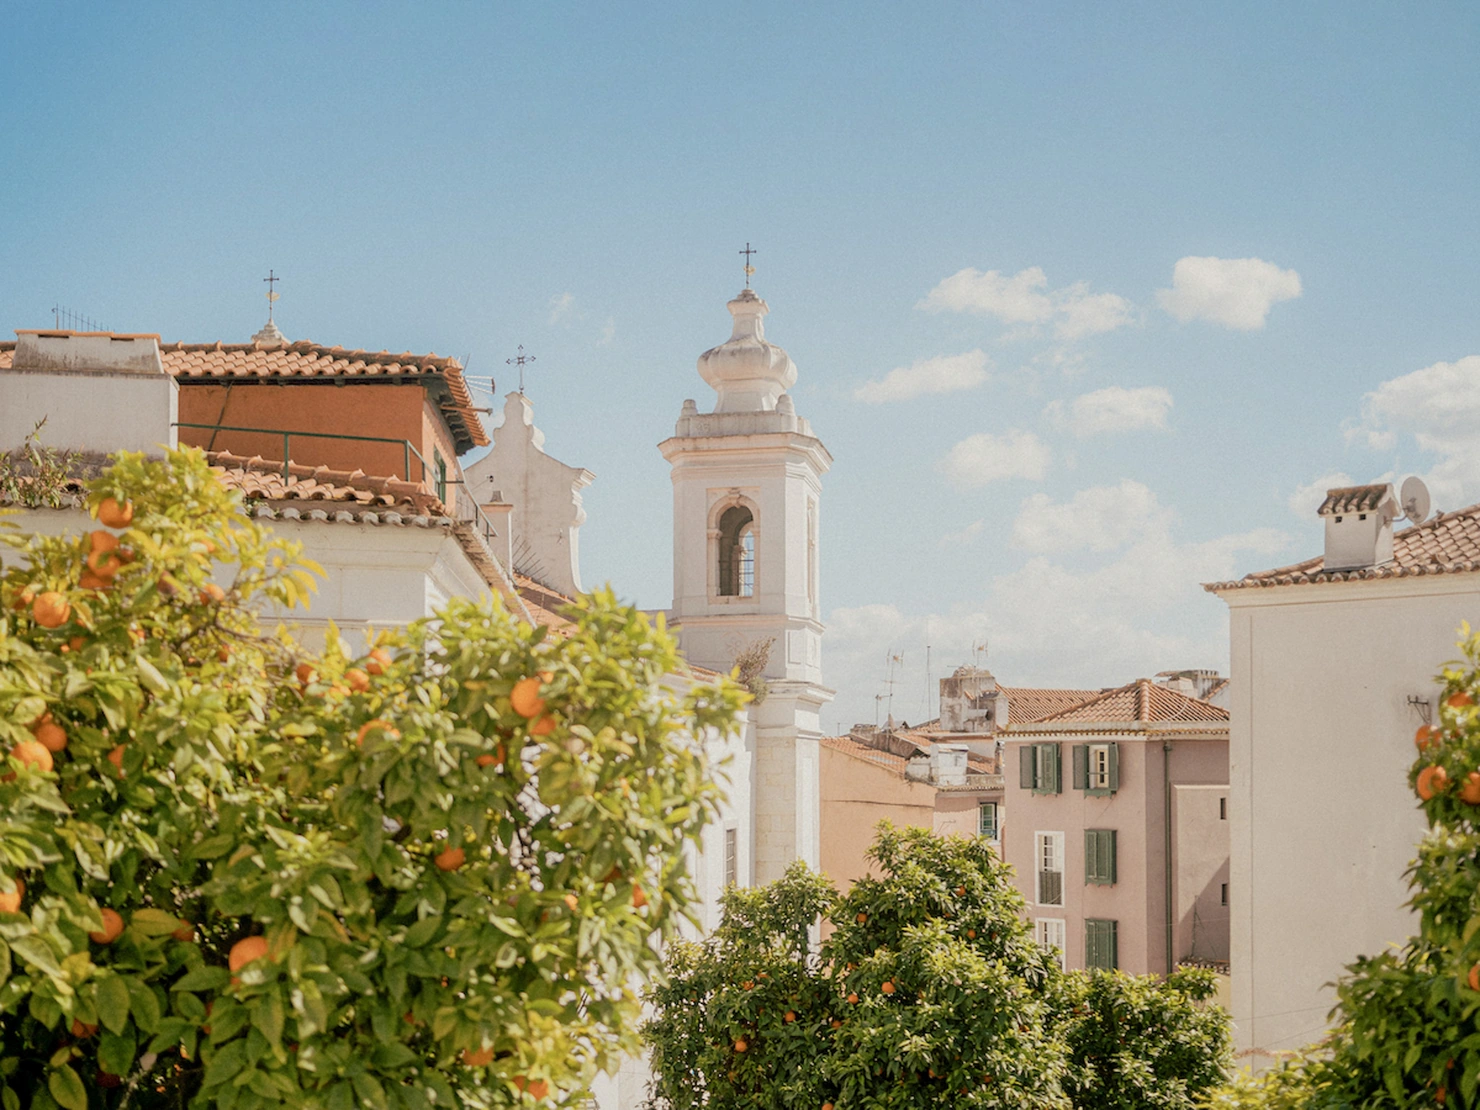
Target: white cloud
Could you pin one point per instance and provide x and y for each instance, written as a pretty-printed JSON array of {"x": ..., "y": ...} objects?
[
  {"x": 983, "y": 458},
  {"x": 1307, "y": 498},
  {"x": 1112, "y": 410},
  {"x": 942, "y": 374},
  {"x": 1439, "y": 406},
  {"x": 965, "y": 535},
  {"x": 1025, "y": 299},
  {"x": 561, "y": 306},
  {"x": 1235, "y": 292},
  {"x": 1135, "y": 613},
  {"x": 1102, "y": 518}
]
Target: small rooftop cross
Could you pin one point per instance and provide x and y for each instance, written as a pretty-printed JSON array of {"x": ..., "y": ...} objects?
[
  {"x": 749, "y": 269},
  {"x": 519, "y": 360},
  {"x": 271, "y": 279}
]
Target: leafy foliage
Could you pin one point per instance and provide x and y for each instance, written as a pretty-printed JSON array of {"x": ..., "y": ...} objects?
[
  {"x": 36, "y": 474},
  {"x": 452, "y": 888},
  {"x": 1408, "y": 1020},
  {"x": 929, "y": 991}
]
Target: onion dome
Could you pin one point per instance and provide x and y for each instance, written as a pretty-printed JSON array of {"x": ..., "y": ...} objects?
[{"x": 748, "y": 373}]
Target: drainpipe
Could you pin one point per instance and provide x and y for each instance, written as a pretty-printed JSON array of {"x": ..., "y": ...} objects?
[{"x": 1166, "y": 805}]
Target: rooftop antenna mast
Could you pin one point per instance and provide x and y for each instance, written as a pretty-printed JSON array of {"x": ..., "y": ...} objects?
[
  {"x": 978, "y": 652},
  {"x": 893, "y": 658},
  {"x": 928, "y": 714},
  {"x": 749, "y": 269},
  {"x": 519, "y": 360}
]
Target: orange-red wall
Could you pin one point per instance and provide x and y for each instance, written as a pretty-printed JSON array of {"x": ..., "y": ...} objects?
[{"x": 393, "y": 411}]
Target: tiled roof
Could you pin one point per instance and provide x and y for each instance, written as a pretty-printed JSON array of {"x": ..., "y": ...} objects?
[
  {"x": 1026, "y": 704},
  {"x": 306, "y": 361},
  {"x": 261, "y": 479},
  {"x": 1355, "y": 499},
  {"x": 850, "y": 746},
  {"x": 1142, "y": 702},
  {"x": 544, "y": 604},
  {"x": 1448, "y": 544}
]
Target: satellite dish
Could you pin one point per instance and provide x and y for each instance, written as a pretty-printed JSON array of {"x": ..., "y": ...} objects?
[{"x": 1415, "y": 499}]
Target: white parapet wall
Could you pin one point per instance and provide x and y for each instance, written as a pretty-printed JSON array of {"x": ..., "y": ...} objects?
[{"x": 96, "y": 391}]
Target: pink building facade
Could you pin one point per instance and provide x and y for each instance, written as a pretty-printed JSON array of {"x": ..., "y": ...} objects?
[{"x": 1117, "y": 828}]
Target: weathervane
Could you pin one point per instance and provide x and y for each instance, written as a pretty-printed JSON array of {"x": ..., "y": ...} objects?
[
  {"x": 272, "y": 279},
  {"x": 749, "y": 269},
  {"x": 519, "y": 360}
]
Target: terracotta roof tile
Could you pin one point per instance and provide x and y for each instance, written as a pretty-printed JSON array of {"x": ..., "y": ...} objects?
[
  {"x": 850, "y": 746},
  {"x": 1448, "y": 544},
  {"x": 1142, "y": 702},
  {"x": 1355, "y": 499},
  {"x": 262, "y": 479},
  {"x": 1026, "y": 704},
  {"x": 306, "y": 361}
]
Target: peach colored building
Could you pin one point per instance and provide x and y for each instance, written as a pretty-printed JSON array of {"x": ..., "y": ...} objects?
[
  {"x": 872, "y": 775},
  {"x": 1119, "y": 831}
]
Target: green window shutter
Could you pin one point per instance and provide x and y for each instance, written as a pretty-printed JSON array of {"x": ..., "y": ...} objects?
[
  {"x": 1026, "y": 755},
  {"x": 1114, "y": 767},
  {"x": 1108, "y": 848},
  {"x": 1091, "y": 860},
  {"x": 1081, "y": 766},
  {"x": 1099, "y": 857},
  {"x": 1101, "y": 949},
  {"x": 1057, "y": 785},
  {"x": 1091, "y": 945},
  {"x": 1110, "y": 945}
]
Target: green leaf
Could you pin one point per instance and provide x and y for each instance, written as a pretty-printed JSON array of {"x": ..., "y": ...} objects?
[
  {"x": 225, "y": 1064},
  {"x": 203, "y": 979},
  {"x": 154, "y": 923},
  {"x": 144, "y": 1005},
  {"x": 369, "y": 1090},
  {"x": 267, "y": 1016},
  {"x": 66, "y": 1087},
  {"x": 149, "y": 677},
  {"x": 213, "y": 847},
  {"x": 115, "y": 1053},
  {"x": 423, "y": 931},
  {"x": 112, "y": 1002}
]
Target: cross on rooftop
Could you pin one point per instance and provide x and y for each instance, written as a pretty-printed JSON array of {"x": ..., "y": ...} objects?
[
  {"x": 749, "y": 269},
  {"x": 519, "y": 360},
  {"x": 271, "y": 279}
]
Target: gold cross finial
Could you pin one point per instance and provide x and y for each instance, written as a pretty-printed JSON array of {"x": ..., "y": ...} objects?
[
  {"x": 272, "y": 295},
  {"x": 749, "y": 269}
]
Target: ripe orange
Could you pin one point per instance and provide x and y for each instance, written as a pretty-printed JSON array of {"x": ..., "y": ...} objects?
[
  {"x": 747, "y": 985},
  {"x": 245, "y": 951},
  {"x": 1475, "y": 978},
  {"x": 1460, "y": 700},
  {"x": 112, "y": 928},
  {"x": 11, "y": 903},
  {"x": 480, "y": 1059},
  {"x": 81, "y": 1030},
  {"x": 212, "y": 593},
  {"x": 489, "y": 758},
  {"x": 104, "y": 564},
  {"x": 185, "y": 933},
  {"x": 114, "y": 515},
  {"x": 970, "y": 934},
  {"x": 639, "y": 898},
  {"x": 1469, "y": 790},
  {"x": 535, "y": 1088},
  {"x": 525, "y": 697},
  {"x": 827, "y": 1106},
  {"x": 887, "y": 987},
  {"x": 115, "y": 757},
  {"x": 377, "y": 725},
  {"x": 101, "y": 541},
  {"x": 32, "y": 754},
  {"x": 572, "y": 903},
  {"x": 852, "y": 998},
  {"x": 379, "y": 660},
  {"x": 836, "y": 1023},
  {"x": 863, "y": 919},
  {"x": 449, "y": 860},
  {"x": 50, "y": 610},
  {"x": 51, "y": 736},
  {"x": 357, "y": 680},
  {"x": 91, "y": 581},
  {"x": 543, "y": 727},
  {"x": 1426, "y": 737},
  {"x": 223, "y": 653},
  {"x": 1432, "y": 780},
  {"x": 789, "y": 1017},
  {"x": 304, "y": 671},
  {"x": 741, "y": 1044}
]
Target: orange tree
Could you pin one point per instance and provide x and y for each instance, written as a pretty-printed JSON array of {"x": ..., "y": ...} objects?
[
  {"x": 237, "y": 873},
  {"x": 929, "y": 991},
  {"x": 1407, "y": 1021}
]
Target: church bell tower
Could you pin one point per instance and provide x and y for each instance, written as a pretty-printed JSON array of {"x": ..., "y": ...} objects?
[{"x": 747, "y": 491}]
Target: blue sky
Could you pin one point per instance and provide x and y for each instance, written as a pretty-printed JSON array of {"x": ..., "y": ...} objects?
[{"x": 577, "y": 178}]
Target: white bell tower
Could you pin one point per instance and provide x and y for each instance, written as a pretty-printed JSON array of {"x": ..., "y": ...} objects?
[{"x": 747, "y": 492}]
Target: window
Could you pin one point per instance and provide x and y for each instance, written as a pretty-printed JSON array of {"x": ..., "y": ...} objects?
[
  {"x": 1049, "y": 876},
  {"x": 1223, "y": 809},
  {"x": 737, "y": 552},
  {"x": 1038, "y": 768},
  {"x": 1223, "y": 895},
  {"x": 1049, "y": 932},
  {"x": 1100, "y": 948},
  {"x": 732, "y": 857},
  {"x": 1099, "y": 857},
  {"x": 986, "y": 820},
  {"x": 1097, "y": 768},
  {"x": 441, "y": 465}
]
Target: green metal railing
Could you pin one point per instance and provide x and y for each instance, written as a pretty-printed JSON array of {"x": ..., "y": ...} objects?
[{"x": 465, "y": 504}]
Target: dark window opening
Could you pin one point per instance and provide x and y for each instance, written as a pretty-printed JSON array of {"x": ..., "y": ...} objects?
[
  {"x": 736, "y": 552},
  {"x": 1224, "y": 896},
  {"x": 1223, "y": 809}
]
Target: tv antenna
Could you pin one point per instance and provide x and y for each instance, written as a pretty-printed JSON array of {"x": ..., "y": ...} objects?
[{"x": 978, "y": 652}]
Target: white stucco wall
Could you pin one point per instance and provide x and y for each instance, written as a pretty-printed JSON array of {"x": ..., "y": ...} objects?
[
  {"x": 138, "y": 411},
  {"x": 1322, "y": 822}
]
